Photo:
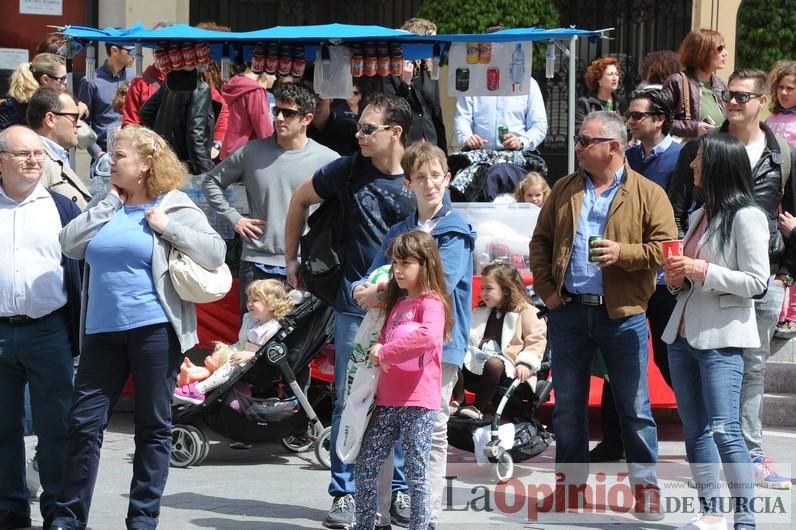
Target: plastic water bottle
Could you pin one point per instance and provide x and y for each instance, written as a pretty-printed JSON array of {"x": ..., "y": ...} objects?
[{"x": 100, "y": 176}]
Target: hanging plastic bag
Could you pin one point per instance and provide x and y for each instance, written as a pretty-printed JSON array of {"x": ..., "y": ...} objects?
[{"x": 332, "y": 76}]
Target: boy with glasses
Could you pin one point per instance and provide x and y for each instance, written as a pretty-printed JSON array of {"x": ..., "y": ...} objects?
[
  {"x": 97, "y": 94},
  {"x": 376, "y": 200},
  {"x": 270, "y": 169},
  {"x": 744, "y": 100}
]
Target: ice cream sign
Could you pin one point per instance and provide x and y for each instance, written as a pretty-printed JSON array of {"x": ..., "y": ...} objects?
[{"x": 489, "y": 69}]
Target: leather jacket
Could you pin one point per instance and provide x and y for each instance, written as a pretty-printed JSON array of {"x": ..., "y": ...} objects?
[
  {"x": 591, "y": 103},
  {"x": 186, "y": 121},
  {"x": 767, "y": 191},
  {"x": 674, "y": 86}
]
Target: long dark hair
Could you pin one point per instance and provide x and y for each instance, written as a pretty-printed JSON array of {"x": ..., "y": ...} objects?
[
  {"x": 515, "y": 294},
  {"x": 420, "y": 246},
  {"x": 726, "y": 182}
]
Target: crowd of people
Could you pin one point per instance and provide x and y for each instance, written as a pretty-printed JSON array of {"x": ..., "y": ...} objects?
[{"x": 681, "y": 214}]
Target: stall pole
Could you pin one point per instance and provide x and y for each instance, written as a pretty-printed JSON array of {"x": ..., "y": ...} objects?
[{"x": 571, "y": 108}]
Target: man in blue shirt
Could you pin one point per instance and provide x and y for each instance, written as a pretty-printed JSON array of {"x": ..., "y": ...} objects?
[
  {"x": 98, "y": 93},
  {"x": 654, "y": 156}
]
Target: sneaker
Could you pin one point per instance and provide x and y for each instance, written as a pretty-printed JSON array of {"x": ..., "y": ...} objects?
[
  {"x": 470, "y": 412},
  {"x": 785, "y": 330},
  {"x": 399, "y": 509},
  {"x": 698, "y": 523},
  {"x": 607, "y": 452},
  {"x": 342, "y": 513},
  {"x": 648, "y": 504},
  {"x": 767, "y": 477},
  {"x": 188, "y": 394},
  {"x": 32, "y": 478}
]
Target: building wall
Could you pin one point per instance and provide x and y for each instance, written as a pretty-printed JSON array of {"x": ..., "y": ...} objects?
[{"x": 721, "y": 16}]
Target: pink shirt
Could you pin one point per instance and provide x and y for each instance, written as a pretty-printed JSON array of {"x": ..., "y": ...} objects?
[
  {"x": 784, "y": 124},
  {"x": 406, "y": 387}
]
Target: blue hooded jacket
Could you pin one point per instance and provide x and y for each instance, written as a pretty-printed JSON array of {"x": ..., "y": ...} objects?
[{"x": 455, "y": 240}]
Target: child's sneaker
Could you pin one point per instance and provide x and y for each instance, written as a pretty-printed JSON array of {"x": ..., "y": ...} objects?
[
  {"x": 188, "y": 394},
  {"x": 785, "y": 330},
  {"x": 767, "y": 477}
]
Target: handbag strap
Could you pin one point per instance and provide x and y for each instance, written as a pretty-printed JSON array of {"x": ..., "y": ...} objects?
[{"x": 686, "y": 94}]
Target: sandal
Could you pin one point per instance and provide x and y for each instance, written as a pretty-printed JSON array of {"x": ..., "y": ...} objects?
[
  {"x": 454, "y": 407},
  {"x": 471, "y": 412}
]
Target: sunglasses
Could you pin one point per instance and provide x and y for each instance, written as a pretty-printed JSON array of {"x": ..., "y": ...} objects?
[
  {"x": 637, "y": 115},
  {"x": 586, "y": 141},
  {"x": 367, "y": 128},
  {"x": 61, "y": 79},
  {"x": 73, "y": 116},
  {"x": 739, "y": 96},
  {"x": 286, "y": 113}
]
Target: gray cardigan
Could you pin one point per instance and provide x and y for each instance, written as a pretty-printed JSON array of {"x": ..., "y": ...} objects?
[{"x": 187, "y": 230}]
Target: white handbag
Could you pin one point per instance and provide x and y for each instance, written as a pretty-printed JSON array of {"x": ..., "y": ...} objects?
[{"x": 193, "y": 282}]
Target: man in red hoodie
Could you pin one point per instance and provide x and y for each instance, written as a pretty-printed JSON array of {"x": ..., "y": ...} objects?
[
  {"x": 249, "y": 115},
  {"x": 141, "y": 89}
]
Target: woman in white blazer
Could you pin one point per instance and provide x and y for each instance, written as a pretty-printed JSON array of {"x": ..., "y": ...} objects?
[{"x": 723, "y": 268}]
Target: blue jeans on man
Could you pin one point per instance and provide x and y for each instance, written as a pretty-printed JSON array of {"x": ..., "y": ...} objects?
[
  {"x": 576, "y": 331},
  {"x": 37, "y": 353}
]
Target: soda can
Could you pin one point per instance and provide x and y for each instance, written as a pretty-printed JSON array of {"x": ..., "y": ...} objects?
[
  {"x": 258, "y": 59},
  {"x": 272, "y": 59},
  {"x": 162, "y": 60},
  {"x": 502, "y": 131},
  {"x": 472, "y": 53},
  {"x": 202, "y": 51},
  {"x": 462, "y": 79},
  {"x": 189, "y": 57},
  {"x": 299, "y": 62},
  {"x": 369, "y": 66},
  {"x": 175, "y": 56},
  {"x": 484, "y": 52},
  {"x": 492, "y": 78},
  {"x": 591, "y": 240}
]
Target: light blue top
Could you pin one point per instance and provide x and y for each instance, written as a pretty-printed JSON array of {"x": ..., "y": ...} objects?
[
  {"x": 584, "y": 276},
  {"x": 121, "y": 292},
  {"x": 59, "y": 151}
]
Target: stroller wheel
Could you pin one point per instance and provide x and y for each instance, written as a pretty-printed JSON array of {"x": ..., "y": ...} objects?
[
  {"x": 299, "y": 442},
  {"x": 201, "y": 439},
  {"x": 504, "y": 468},
  {"x": 323, "y": 448},
  {"x": 186, "y": 448}
]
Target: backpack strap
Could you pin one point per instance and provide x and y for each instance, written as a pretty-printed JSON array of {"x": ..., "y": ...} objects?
[
  {"x": 151, "y": 80},
  {"x": 686, "y": 95}
]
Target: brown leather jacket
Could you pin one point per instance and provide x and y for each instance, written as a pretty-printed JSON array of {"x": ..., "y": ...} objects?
[
  {"x": 687, "y": 128},
  {"x": 639, "y": 219}
]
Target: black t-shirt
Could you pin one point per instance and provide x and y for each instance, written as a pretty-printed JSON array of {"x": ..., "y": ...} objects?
[
  {"x": 338, "y": 135},
  {"x": 377, "y": 201}
]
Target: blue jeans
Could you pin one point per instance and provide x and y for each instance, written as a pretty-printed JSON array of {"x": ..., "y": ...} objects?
[
  {"x": 707, "y": 384},
  {"x": 38, "y": 354},
  {"x": 152, "y": 355},
  {"x": 576, "y": 331}
]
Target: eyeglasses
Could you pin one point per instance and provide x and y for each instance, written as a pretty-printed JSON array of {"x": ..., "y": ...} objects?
[
  {"x": 586, "y": 141},
  {"x": 433, "y": 179},
  {"x": 637, "y": 115},
  {"x": 721, "y": 48},
  {"x": 368, "y": 128},
  {"x": 73, "y": 116},
  {"x": 286, "y": 113},
  {"x": 38, "y": 156},
  {"x": 739, "y": 96},
  {"x": 127, "y": 49}
]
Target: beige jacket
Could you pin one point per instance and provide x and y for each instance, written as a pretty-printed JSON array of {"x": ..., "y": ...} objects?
[{"x": 60, "y": 178}]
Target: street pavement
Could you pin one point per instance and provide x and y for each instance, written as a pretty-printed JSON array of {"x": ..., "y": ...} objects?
[{"x": 268, "y": 488}]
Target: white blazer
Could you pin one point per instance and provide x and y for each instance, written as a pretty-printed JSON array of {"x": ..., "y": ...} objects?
[{"x": 720, "y": 312}]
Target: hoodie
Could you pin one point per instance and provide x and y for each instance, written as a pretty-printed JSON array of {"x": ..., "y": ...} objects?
[
  {"x": 455, "y": 240},
  {"x": 249, "y": 117},
  {"x": 140, "y": 90}
]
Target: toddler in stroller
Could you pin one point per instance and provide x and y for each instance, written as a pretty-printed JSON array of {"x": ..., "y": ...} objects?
[{"x": 244, "y": 407}]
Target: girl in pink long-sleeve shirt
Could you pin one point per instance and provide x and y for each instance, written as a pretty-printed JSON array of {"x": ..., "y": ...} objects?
[{"x": 408, "y": 396}]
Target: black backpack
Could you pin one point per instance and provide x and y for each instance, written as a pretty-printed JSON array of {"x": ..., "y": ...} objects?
[{"x": 323, "y": 246}]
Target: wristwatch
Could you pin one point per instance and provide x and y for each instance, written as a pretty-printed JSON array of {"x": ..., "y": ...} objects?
[{"x": 217, "y": 145}]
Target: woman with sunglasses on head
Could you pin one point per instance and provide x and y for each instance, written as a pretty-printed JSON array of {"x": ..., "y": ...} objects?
[
  {"x": 602, "y": 80},
  {"x": 723, "y": 268},
  {"x": 696, "y": 91},
  {"x": 45, "y": 70}
]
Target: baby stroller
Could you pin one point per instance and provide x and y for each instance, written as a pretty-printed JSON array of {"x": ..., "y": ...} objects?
[
  {"x": 520, "y": 403},
  {"x": 234, "y": 411}
]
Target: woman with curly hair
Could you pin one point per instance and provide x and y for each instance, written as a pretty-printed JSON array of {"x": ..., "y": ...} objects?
[
  {"x": 602, "y": 80},
  {"x": 696, "y": 91},
  {"x": 134, "y": 322}
]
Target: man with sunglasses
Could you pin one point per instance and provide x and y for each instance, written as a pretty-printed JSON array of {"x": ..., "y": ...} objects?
[
  {"x": 375, "y": 199},
  {"x": 54, "y": 116},
  {"x": 772, "y": 186},
  {"x": 597, "y": 293},
  {"x": 97, "y": 94},
  {"x": 270, "y": 170}
]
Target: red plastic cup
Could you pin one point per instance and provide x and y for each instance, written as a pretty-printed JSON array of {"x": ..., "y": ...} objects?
[{"x": 672, "y": 248}]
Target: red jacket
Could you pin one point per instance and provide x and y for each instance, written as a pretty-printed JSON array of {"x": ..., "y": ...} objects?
[
  {"x": 222, "y": 117},
  {"x": 249, "y": 116},
  {"x": 141, "y": 89}
]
